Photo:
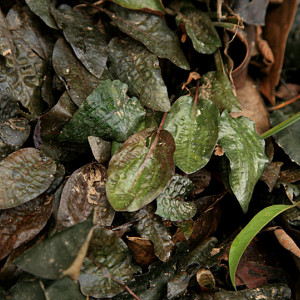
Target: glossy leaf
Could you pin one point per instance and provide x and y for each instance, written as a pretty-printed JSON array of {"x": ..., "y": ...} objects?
[
  {"x": 195, "y": 130},
  {"x": 217, "y": 88},
  {"x": 50, "y": 258},
  {"x": 133, "y": 64},
  {"x": 107, "y": 113},
  {"x": 245, "y": 151},
  {"x": 140, "y": 170},
  {"x": 22, "y": 223},
  {"x": 149, "y": 5},
  {"x": 83, "y": 192},
  {"x": 152, "y": 31},
  {"x": 88, "y": 43},
  {"x": 244, "y": 238},
  {"x": 200, "y": 29},
  {"x": 25, "y": 174},
  {"x": 110, "y": 259}
]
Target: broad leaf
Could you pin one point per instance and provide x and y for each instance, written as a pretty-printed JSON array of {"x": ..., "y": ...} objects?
[
  {"x": 152, "y": 31},
  {"x": 133, "y": 64},
  {"x": 195, "y": 130},
  {"x": 140, "y": 170},
  {"x": 88, "y": 43},
  {"x": 100, "y": 148},
  {"x": 200, "y": 29},
  {"x": 148, "y": 5},
  {"x": 108, "y": 257},
  {"x": 244, "y": 238},
  {"x": 25, "y": 174},
  {"x": 50, "y": 258},
  {"x": 245, "y": 151},
  {"x": 217, "y": 88}
]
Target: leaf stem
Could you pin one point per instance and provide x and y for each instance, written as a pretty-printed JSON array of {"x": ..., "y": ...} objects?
[
  {"x": 281, "y": 105},
  {"x": 294, "y": 118},
  {"x": 228, "y": 25},
  {"x": 219, "y": 61}
]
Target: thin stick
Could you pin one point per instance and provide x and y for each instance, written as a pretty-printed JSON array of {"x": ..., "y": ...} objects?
[{"x": 281, "y": 105}]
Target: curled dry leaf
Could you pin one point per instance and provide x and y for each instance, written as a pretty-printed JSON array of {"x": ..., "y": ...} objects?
[{"x": 205, "y": 279}]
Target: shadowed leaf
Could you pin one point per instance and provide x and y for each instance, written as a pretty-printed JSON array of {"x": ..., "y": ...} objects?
[{"x": 149, "y": 5}]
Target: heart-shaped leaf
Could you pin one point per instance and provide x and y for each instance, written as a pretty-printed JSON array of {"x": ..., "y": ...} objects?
[
  {"x": 107, "y": 113},
  {"x": 245, "y": 151},
  {"x": 140, "y": 170},
  {"x": 148, "y": 5},
  {"x": 195, "y": 129},
  {"x": 133, "y": 64},
  {"x": 152, "y": 31},
  {"x": 25, "y": 174},
  {"x": 108, "y": 258},
  {"x": 200, "y": 29},
  {"x": 217, "y": 88}
]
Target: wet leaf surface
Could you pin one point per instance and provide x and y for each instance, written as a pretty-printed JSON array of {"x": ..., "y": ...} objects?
[
  {"x": 25, "y": 174},
  {"x": 149, "y": 5},
  {"x": 133, "y": 64}
]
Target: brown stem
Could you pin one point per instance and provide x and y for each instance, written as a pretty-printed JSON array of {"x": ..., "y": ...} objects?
[{"x": 281, "y": 105}]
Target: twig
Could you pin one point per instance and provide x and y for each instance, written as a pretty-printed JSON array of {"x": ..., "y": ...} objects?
[{"x": 281, "y": 105}]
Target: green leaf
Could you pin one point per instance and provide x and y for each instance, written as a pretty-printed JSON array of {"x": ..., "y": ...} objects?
[
  {"x": 195, "y": 130},
  {"x": 245, "y": 151},
  {"x": 107, "y": 113},
  {"x": 108, "y": 258},
  {"x": 133, "y": 64},
  {"x": 200, "y": 29},
  {"x": 152, "y": 31},
  {"x": 25, "y": 174},
  {"x": 148, "y": 5},
  {"x": 217, "y": 88},
  {"x": 52, "y": 256},
  {"x": 244, "y": 238},
  {"x": 140, "y": 170},
  {"x": 88, "y": 43}
]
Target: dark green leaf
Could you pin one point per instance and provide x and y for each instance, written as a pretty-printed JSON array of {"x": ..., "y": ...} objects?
[
  {"x": 195, "y": 130},
  {"x": 54, "y": 255},
  {"x": 186, "y": 227},
  {"x": 217, "y": 88},
  {"x": 108, "y": 258},
  {"x": 200, "y": 29},
  {"x": 152, "y": 31},
  {"x": 107, "y": 113},
  {"x": 88, "y": 43},
  {"x": 140, "y": 170},
  {"x": 133, "y": 64},
  {"x": 151, "y": 227},
  {"x": 149, "y": 5},
  {"x": 25, "y": 174},
  {"x": 245, "y": 150}
]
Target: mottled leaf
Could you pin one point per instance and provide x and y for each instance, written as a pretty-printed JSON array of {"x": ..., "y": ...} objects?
[
  {"x": 107, "y": 113},
  {"x": 245, "y": 150},
  {"x": 151, "y": 227},
  {"x": 152, "y": 31},
  {"x": 88, "y": 43},
  {"x": 217, "y": 88},
  {"x": 200, "y": 29},
  {"x": 22, "y": 223},
  {"x": 42, "y": 9},
  {"x": 83, "y": 192},
  {"x": 195, "y": 129},
  {"x": 140, "y": 170},
  {"x": 289, "y": 138},
  {"x": 25, "y": 174},
  {"x": 79, "y": 82},
  {"x": 101, "y": 149},
  {"x": 186, "y": 227},
  {"x": 108, "y": 257},
  {"x": 133, "y": 64},
  {"x": 52, "y": 256},
  {"x": 148, "y": 5}
]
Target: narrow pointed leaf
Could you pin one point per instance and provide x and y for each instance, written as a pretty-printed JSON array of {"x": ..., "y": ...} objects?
[
  {"x": 149, "y": 5},
  {"x": 217, "y": 88},
  {"x": 107, "y": 113},
  {"x": 245, "y": 151},
  {"x": 195, "y": 130},
  {"x": 152, "y": 31},
  {"x": 133, "y": 64},
  {"x": 25, "y": 174},
  {"x": 244, "y": 238},
  {"x": 200, "y": 29},
  {"x": 140, "y": 170},
  {"x": 87, "y": 41}
]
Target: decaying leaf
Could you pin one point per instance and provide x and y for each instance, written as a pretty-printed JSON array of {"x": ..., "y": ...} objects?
[
  {"x": 101, "y": 149},
  {"x": 148, "y": 5}
]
